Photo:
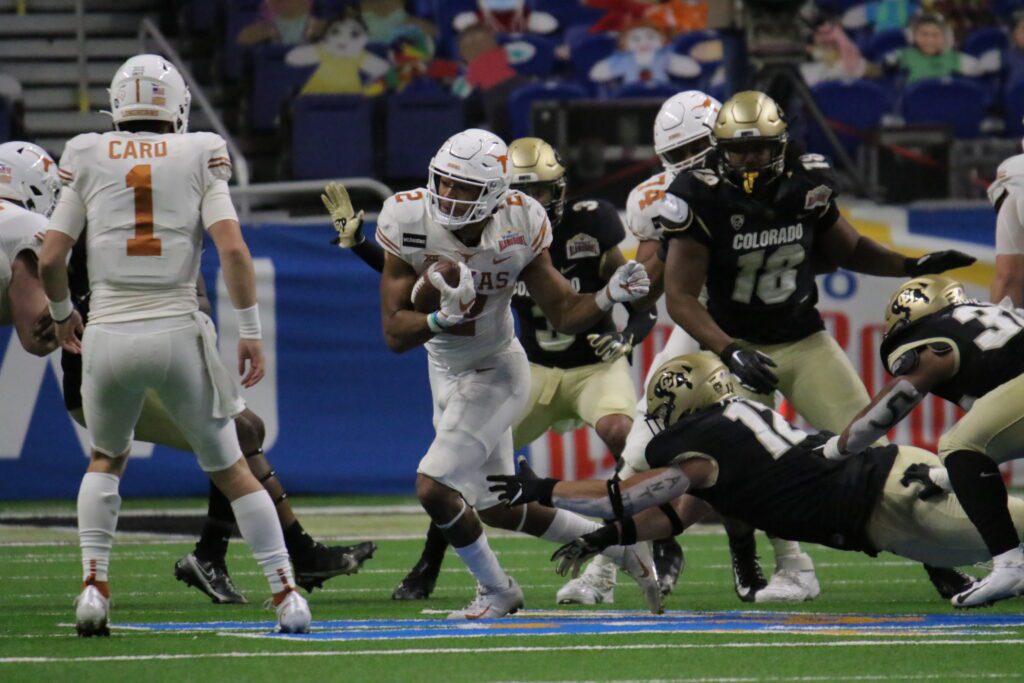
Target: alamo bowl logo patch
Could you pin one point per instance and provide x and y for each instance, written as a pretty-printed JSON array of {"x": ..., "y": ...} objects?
[
  {"x": 511, "y": 239},
  {"x": 819, "y": 196},
  {"x": 582, "y": 246}
]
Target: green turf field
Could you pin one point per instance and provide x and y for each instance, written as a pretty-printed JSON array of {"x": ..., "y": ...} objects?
[{"x": 40, "y": 572}]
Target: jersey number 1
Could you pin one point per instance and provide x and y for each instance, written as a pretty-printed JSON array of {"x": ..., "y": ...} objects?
[{"x": 140, "y": 179}]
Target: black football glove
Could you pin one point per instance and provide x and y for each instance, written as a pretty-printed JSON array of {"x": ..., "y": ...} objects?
[
  {"x": 750, "y": 367},
  {"x": 919, "y": 472},
  {"x": 938, "y": 262},
  {"x": 814, "y": 442},
  {"x": 572, "y": 556},
  {"x": 523, "y": 487}
]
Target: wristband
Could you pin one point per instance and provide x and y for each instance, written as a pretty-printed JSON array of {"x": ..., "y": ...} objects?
[
  {"x": 433, "y": 323},
  {"x": 940, "y": 477},
  {"x": 831, "y": 450},
  {"x": 602, "y": 300},
  {"x": 249, "y": 322},
  {"x": 60, "y": 310},
  {"x": 909, "y": 266}
]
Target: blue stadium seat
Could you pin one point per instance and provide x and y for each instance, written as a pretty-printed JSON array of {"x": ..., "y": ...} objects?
[
  {"x": 273, "y": 83},
  {"x": 590, "y": 49},
  {"x": 5, "y": 122},
  {"x": 569, "y": 12},
  {"x": 521, "y": 100},
  {"x": 646, "y": 90},
  {"x": 857, "y": 106},
  {"x": 539, "y": 63},
  {"x": 433, "y": 118},
  {"x": 1014, "y": 102},
  {"x": 930, "y": 102},
  {"x": 332, "y": 136},
  {"x": 447, "y": 10},
  {"x": 882, "y": 43},
  {"x": 978, "y": 42},
  {"x": 239, "y": 14}
]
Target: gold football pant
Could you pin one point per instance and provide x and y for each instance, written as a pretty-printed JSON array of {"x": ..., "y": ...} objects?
[{"x": 994, "y": 425}]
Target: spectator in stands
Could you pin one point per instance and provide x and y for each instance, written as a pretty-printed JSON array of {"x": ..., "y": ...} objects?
[
  {"x": 678, "y": 16},
  {"x": 507, "y": 16},
  {"x": 961, "y": 16},
  {"x": 344, "y": 67},
  {"x": 413, "y": 65},
  {"x": 385, "y": 19},
  {"x": 931, "y": 54},
  {"x": 1014, "y": 57},
  {"x": 619, "y": 14},
  {"x": 643, "y": 56},
  {"x": 882, "y": 15},
  {"x": 834, "y": 57},
  {"x": 287, "y": 22}
]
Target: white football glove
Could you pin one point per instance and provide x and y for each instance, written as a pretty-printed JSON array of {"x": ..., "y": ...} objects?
[
  {"x": 628, "y": 283},
  {"x": 455, "y": 301},
  {"x": 347, "y": 223},
  {"x": 611, "y": 346}
]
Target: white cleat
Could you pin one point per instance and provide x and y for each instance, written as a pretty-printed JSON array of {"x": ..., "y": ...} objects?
[
  {"x": 638, "y": 562},
  {"x": 595, "y": 586},
  {"x": 793, "y": 581},
  {"x": 492, "y": 603},
  {"x": 293, "y": 614},
  {"x": 1006, "y": 580},
  {"x": 92, "y": 611}
]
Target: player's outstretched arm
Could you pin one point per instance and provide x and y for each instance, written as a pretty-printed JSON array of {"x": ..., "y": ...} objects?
[
  {"x": 849, "y": 249},
  {"x": 570, "y": 312},
  {"x": 240, "y": 280},
  {"x": 54, "y": 274},
  {"x": 349, "y": 226}
]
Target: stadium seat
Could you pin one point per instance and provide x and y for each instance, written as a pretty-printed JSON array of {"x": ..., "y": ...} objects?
[
  {"x": 273, "y": 83},
  {"x": 332, "y": 136},
  {"x": 588, "y": 51},
  {"x": 569, "y": 13},
  {"x": 5, "y": 122},
  {"x": 855, "y": 107},
  {"x": 521, "y": 100},
  {"x": 529, "y": 55},
  {"x": 239, "y": 14},
  {"x": 447, "y": 42},
  {"x": 983, "y": 40},
  {"x": 646, "y": 90},
  {"x": 929, "y": 102},
  {"x": 880, "y": 44},
  {"x": 1014, "y": 102},
  {"x": 433, "y": 118}
]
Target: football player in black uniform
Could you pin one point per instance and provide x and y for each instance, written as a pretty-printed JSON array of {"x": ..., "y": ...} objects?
[
  {"x": 971, "y": 354},
  {"x": 747, "y": 226},
  {"x": 205, "y": 567},
  {"x": 749, "y": 463}
]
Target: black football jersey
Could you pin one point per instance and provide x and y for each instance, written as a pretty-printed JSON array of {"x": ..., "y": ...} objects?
[
  {"x": 768, "y": 480},
  {"x": 986, "y": 338},
  {"x": 589, "y": 228},
  {"x": 760, "y": 282}
]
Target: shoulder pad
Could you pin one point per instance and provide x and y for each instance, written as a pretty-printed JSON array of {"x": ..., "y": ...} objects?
[
  {"x": 706, "y": 176},
  {"x": 80, "y": 142},
  {"x": 406, "y": 207},
  {"x": 207, "y": 139}
]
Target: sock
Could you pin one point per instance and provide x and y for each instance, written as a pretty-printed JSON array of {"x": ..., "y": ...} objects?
[
  {"x": 979, "y": 487},
  {"x": 299, "y": 542},
  {"x": 98, "y": 506},
  {"x": 482, "y": 563},
  {"x": 212, "y": 545},
  {"x": 788, "y": 554},
  {"x": 742, "y": 544},
  {"x": 257, "y": 520},
  {"x": 435, "y": 547},
  {"x": 568, "y": 526}
]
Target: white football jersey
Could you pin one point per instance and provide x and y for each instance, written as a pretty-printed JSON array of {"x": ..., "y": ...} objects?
[
  {"x": 142, "y": 194},
  {"x": 642, "y": 206},
  {"x": 18, "y": 229},
  {"x": 514, "y": 235}
]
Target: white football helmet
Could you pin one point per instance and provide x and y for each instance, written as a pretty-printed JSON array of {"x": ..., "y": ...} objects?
[
  {"x": 29, "y": 175},
  {"x": 682, "y": 129},
  {"x": 148, "y": 87},
  {"x": 476, "y": 158}
]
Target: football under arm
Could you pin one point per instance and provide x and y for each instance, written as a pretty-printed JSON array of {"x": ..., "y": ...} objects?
[
  {"x": 686, "y": 268},
  {"x": 848, "y": 249},
  {"x": 568, "y": 311},
  {"x": 404, "y": 328}
]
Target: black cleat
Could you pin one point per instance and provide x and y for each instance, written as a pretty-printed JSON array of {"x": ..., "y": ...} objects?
[
  {"x": 747, "y": 575},
  {"x": 325, "y": 562},
  {"x": 211, "y": 578},
  {"x": 949, "y": 581},
  {"x": 419, "y": 583},
  {"x": 670, "y": 562}
]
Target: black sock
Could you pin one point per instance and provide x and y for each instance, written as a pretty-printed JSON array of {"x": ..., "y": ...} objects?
[
  {"x": 212, "y": 545},
  {"x": 297, "y": 540},
  {"x": 742, "y": 544},
  {"x": 978, "y": 485},
  {"x": 435, "y": 547}
]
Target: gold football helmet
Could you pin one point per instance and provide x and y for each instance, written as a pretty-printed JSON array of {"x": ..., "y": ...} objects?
[
  {"x": 919, "y": 297},
  {"x": 684, "y": 385},
  {"x": 750, "y": 139},
  {"x": 537, "y": 170}
]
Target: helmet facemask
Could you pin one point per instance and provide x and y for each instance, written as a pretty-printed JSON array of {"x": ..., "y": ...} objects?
[
  {"x": 689, "y": 154},
  {"x": 453, "y": 211},
  {"x": 550, "y": 194},
  {"x": 751, "y": 163}
]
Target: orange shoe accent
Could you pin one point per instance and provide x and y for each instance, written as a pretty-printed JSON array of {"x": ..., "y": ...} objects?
[
  {"x": 102, "y": 586},
  {"x": 281, "y": 595}
]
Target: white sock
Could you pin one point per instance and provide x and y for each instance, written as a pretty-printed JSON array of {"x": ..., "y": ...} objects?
[
  {"x": 784, "y": 548},
  {"x": 98, "y": 505},
  {"x": 568, "y": 526},
  {"x": 482, "y": 563},
  {"x": 257, "y": 520}
]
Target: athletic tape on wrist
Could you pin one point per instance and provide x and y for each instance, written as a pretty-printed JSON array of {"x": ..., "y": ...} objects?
[
  {"x": 249, "y": 322},
  {"x": 603, "y": 300},
  {"x": 433, "y": 324},
  {"x": 60, "y": 310}
]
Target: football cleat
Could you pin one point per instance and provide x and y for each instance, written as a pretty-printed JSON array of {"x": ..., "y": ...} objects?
[
  {"x": 746, "y": 575},
  {"x": 595, "y": 586},
  {"x": 211, "y": 578},
  {"x": 92, "y": 610},
  {"x": 949, "y": 581},
  {"x": 419, "y": 583},
  {"x": 638, "y": 563},
  {"x": 793, "y": 581},
  {"x": 324, "y": 562},
  {"x": 1005, "y": 581},
  {"x": 293, "y": 614},
  {"x": 669, "y": 561},
  {"x": 491, "y": 604}
]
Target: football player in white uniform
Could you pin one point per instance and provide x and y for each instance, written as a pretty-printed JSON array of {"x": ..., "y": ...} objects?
[
  {"x": 142, "y": 188},
  {"x": 28, "y": 194},
  {"x": 479, "y": 375},
  {"x": 1007, "y": 196}
]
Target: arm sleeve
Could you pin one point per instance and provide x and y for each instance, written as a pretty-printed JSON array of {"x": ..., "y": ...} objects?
[
  {"x": 371, "y": 254},
  {"x": 609, "y": 229},
  {"x": 1010, "y": 225},
  {"x": 69, "y": 216},
  {"x": 217, "y": 204},
  {"x": 640, "y": 323}
]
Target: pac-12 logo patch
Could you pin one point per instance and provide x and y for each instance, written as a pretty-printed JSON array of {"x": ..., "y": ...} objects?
[
  {"x": 819, "y": 196},
  {"x": 582, "y": 246},
  {"x": 737, "y": 220}
]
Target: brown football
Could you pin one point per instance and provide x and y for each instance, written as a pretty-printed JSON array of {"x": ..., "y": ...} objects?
[{"x": 425, "y": 297}]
